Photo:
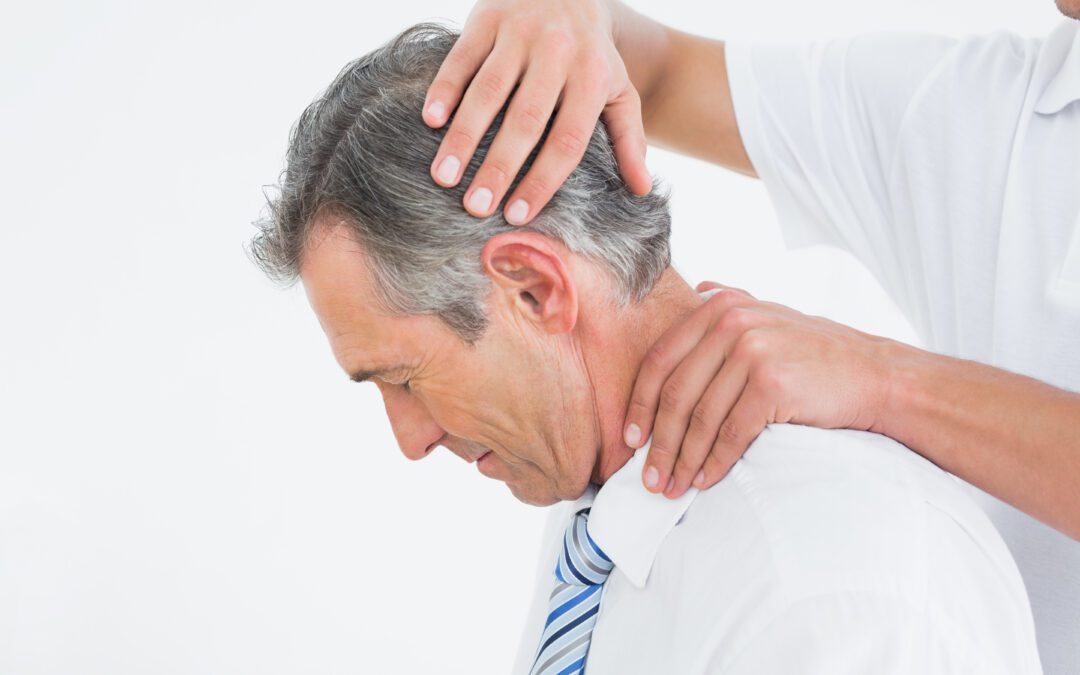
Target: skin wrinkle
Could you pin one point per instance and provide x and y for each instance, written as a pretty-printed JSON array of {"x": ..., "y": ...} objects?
[
  {"x": 566, "y": 442},
  {"x": 558, "y": 442}
]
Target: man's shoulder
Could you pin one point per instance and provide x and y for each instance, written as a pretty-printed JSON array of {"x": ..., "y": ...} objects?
[
  {"x": 791, "y": 463},
  {"x": 841, "y": 510},
  {"x": 840, "y": 530},
  {"x": 800, "y": 464}
]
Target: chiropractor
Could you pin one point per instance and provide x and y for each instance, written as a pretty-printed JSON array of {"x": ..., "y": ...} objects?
[{"x": 951, "y": 169}]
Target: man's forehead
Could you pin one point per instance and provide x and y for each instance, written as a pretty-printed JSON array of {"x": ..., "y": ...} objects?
[
  {"x": 363, "y": 336},
  {"x": 334, "y": 276},
  {"x": 332, "y": 253},
  {"x": 334, "y": 272}
]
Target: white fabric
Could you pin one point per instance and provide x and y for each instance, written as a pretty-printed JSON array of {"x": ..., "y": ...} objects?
[
  {"x": 821, "y": 552},
  {"x": 634, "y": 547},
  {"x": 951, "y": 169}
]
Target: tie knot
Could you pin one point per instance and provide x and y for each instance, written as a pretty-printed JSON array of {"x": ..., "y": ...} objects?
[{"x": 581, "y": 561}]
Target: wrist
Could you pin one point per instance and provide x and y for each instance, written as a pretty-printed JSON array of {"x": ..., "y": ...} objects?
[
  {"x": 901, "y": 379},
  {"x": 642, "y": 44},
  {"x": 615, "y": 10}
]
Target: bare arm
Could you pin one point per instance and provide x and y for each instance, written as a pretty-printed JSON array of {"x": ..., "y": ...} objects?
[
  {"x": 683, "y": 83},
  {"x": 1012, "y": 436}
]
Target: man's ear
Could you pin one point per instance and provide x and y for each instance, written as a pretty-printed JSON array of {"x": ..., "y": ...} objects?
[{"x": 533, "y": 278}]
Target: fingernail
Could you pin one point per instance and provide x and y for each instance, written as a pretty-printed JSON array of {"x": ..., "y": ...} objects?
[
  {"x": 436, "y": 110},
  {"x": 632, "y": 435},
  {"x": 670, "y": 484},
  {"x": 448, "y": 169},
  {"x": 652, "y": 478},
  {"x": 480, "y": 201},
  {"x": 517, "y": 212},
  {"x": 699, "y": 480}
]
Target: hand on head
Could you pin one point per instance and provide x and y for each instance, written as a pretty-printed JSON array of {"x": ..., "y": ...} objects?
[{"x": 539, "y": 56}]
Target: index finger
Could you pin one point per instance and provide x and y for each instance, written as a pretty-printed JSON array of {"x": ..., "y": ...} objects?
[
  {"x": 562, "y": 149},
  {"x": 457, "y": 70},
  {"x": 568, "y": 140}
]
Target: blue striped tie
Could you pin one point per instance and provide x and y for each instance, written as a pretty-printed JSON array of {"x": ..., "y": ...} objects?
[{"x": 580, "y": 575}]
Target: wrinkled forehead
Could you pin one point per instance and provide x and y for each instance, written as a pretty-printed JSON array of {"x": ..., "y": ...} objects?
[{"x": 334, "y": 272}]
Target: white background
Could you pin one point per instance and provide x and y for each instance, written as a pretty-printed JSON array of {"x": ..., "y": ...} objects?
[{"x": 187, "y": 482}]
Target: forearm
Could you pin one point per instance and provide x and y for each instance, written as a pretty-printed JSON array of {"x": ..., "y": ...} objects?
[
  {"x": 1010, "y": 435},
  {"x": 685, "y": 96}
]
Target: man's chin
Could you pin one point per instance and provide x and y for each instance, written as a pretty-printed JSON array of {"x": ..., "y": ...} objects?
[
  {"x": 546, "y": 495},
  {"x": 532, "y": 499},
  {"x": 1070, "y": 8}
]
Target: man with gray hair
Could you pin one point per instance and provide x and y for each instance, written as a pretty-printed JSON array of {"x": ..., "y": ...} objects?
[{"x": 516, "y": 349}]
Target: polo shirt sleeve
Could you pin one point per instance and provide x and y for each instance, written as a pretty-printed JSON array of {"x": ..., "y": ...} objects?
[{"x": 821, "y": 122}]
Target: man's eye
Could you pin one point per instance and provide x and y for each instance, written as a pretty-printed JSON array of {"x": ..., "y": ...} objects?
[{"x": 407, "y": 386}]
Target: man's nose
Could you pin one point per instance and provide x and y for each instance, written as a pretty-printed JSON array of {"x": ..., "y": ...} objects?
[{"x": 416, "y": 431}]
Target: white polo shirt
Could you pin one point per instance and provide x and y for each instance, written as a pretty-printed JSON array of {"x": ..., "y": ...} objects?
[
  {"x": 821, "y": 552},
  {"x": 951, "y": 169}
]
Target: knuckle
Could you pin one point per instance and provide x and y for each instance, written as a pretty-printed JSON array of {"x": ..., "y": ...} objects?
[
  {"x": 734, "y": 320},
  {"x": 594, "y": 69},
  {"x": 701, "y": 419},
  {"x": 531, "y": 118},
  {"x": 569, "y": 142},
  {"x": 522, "y": 29},
  {"x": 720, "y": 300},
  {"x": 671, "y": 399},
  {"x": 753, "y": 346},
  {"x": 460, "y": 137},
  {"x": 462, "y": 55},
  {"x": 730, "y": 432},
  {"x": 639, "y": 408},
  {"x": 497, "y": 172},
  {"x": 657, "y": 356},
  {"x": 492, "y": 88},
  {"x": 660, "y": 451},
  {"x": 769, "y": 376},
  {"x": 537, "y": 188},
  {"x": 442, "y": 87},
  {"x": 727, "y": 299},
  {"x": 557, "y": 40}
]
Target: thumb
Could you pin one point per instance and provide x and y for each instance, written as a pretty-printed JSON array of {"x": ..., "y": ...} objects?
[{"x": 708, "y": 286}]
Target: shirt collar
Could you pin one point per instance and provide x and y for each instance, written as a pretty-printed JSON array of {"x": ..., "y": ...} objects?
[
  {"x": 1064, "y": 86},
  {"x": 629, "y": 523}
]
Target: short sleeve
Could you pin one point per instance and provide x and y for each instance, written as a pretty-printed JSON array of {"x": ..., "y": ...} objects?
[{"x": 821, "y": 124}]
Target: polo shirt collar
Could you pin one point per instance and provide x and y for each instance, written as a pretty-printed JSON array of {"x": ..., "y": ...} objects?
[
  {"x": 1064, "y": 86},
  {"x": 629, "y": 523}
]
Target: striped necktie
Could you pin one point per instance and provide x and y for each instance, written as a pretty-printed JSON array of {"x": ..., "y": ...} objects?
[{"x": 580, "y": 575}]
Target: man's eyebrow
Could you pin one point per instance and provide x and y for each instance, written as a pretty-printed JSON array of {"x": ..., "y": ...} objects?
[{"x": 365, "y": 375}]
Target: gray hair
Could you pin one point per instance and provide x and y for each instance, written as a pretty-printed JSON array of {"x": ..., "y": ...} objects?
[{"x": 360, "y": 153}]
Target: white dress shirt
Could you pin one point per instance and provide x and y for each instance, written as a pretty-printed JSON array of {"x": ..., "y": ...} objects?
[
  {"x": 822, "y": 551},
  {"x": 951, "y": 169}
]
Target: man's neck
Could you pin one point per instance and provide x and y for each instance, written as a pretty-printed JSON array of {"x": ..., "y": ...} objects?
[{"x": 619, "y": 340}]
